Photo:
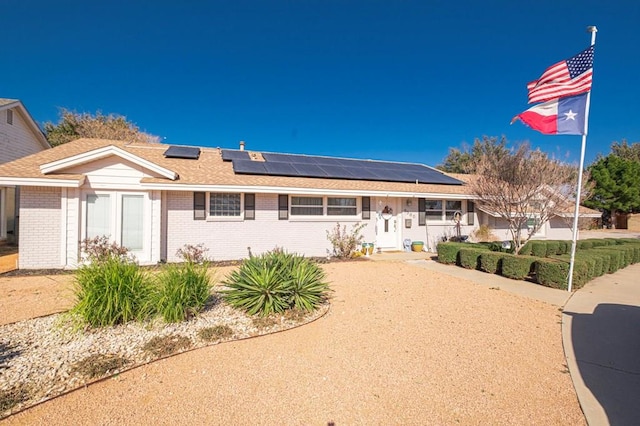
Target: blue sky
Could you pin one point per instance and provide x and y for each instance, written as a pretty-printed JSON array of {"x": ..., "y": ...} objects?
[{"x": 396, "y": 80}]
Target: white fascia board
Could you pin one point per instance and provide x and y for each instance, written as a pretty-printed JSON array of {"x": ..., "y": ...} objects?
[
  {"x": 306, "y": 191},
  {"x": 107, "y": 151},
  {"x": 59, "y": 183},
  {"x": 580, "y": 214}
]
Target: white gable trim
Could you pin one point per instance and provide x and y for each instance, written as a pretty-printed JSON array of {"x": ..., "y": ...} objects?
[
  {"x": 59, "y": 183},
  {"x": 107, "y": 151}
]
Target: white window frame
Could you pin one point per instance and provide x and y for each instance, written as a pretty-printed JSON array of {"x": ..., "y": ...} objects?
[
  {"x": 325, "y": 217},
  {"x": 446, "y": 215},
  {"x": 115, "y": 207},
  {"x": 214, "y": 218}
]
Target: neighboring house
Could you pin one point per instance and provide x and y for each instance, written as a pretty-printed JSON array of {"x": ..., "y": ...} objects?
[
  {"x": 19, "y": 136},
  {"x": 154, "y": 199}
]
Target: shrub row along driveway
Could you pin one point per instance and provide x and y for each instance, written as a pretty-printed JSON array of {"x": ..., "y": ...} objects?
[{"x": 401, "y": 345}]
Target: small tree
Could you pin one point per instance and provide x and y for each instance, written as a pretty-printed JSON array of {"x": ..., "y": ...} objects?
[
  {"x": 525, "y": 188},
  {"x": 74, "y": 125}
]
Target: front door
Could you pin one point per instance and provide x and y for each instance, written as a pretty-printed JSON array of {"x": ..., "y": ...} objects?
[
  {"x": 387, "y": 226},
  {"x": 121, "y": 216}
]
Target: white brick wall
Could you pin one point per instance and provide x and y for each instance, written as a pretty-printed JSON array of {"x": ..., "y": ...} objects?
[
  {"x": 40, "y": 230},
  {"x": 229, "y": 240}
]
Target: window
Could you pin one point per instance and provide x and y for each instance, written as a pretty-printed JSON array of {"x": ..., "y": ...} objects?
[
  {"x": 98, "y": 215},
  {"x": 224, "y": 205},
  {"x": 306, "y": 206},
  {"x": 366, "y": 208},
  {"x": 9, "y": 116},
  {"x": 451, "y": 208},
  {"x": 433, "y": 209},
  {"x": 471, "y": 217},
  {"x": 132, "y": 222},
  {"x": 199, "y": 206},
  {"x": 249, "y": 206},
  {"x": 341, "y": 207}
]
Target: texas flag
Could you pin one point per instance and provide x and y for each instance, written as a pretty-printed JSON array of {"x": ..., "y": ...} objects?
[{"x": 563, "y": 116}]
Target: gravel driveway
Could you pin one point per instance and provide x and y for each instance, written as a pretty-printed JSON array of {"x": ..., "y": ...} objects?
[{"x": 401, "y": 345}]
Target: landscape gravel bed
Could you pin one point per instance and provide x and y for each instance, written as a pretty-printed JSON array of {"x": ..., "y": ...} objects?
[{"x": 43, "y": 357}]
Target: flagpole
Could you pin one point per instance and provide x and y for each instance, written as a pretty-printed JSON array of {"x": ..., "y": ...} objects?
[{"x": 593, "y": 30}]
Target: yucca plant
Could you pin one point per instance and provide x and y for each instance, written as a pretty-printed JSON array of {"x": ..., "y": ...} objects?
[
  {"x": 110, "y": 292},
  {"x": 307, "y": 285},
  {"x": 181, "y": 291},
  {"x": 274, "y": 282}
]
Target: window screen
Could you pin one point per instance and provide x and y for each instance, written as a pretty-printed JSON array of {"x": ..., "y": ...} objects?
[
  {"x": 366, "y": 207},
  {"x": 306, "y": 206},
  {"x": 341, "y": 206},
  {"x": 199, "y": 206}
]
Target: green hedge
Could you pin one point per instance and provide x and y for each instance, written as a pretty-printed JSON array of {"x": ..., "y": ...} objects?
[
  {"x": 539, "y": 248},
  {"x": 554, "y": 273},
  {"x": 614, "y": 258},
  {"x": 517, "y": 267},
  {"x": 525, "y": 250},
  {"x": 491, "y": 262},
  {"x": 470, "y": 257},
  {"x": 449, "y": 252},
  {"x": 553, "y": 248}
]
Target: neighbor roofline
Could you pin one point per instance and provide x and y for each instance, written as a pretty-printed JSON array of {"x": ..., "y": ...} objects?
[{"x": 30, "y": 121}]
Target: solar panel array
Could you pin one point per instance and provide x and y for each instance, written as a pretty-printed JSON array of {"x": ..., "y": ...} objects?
[
  {"x": 185, "y": 152},
  {"x": 334, "y": 168}
]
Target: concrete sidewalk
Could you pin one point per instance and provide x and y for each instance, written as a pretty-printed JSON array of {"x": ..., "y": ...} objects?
[
  {"x": 600, "y": 334},
  {"x": 601, "y": 337}
]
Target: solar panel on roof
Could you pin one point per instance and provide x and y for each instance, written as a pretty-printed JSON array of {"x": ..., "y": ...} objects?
[
  {"x": 231, "y": 154},
  {"x": 281, "y": 169},
  {"x": 249, "y": 167},
  {"x": 336, "y": 168},
  {"x": 185, "y": 152}
]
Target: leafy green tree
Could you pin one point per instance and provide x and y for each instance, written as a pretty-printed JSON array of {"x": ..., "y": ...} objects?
[
  {"x": 616, "y": 183},
  {"x": 73, "y": 125},
  {"x": 464, "y": 160}
]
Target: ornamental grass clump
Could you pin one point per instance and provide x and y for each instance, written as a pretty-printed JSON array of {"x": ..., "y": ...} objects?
[
  {"x": 275, "y": 282},
  {"x": 111, "y": 289},
  {"x": 183, "y": 290}
]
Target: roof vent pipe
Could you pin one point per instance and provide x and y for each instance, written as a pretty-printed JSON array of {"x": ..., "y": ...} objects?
[{"x": 241, "y": 145}]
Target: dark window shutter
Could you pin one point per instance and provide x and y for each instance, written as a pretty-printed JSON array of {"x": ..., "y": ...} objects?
[
  {"x": 366, "y": 207},
  {"x": 471, "y": 208},
  {"x": 283, "y": 207},
  {"x": 199, "y": 206},
  {"x": 422, "y": 212},
  {"x": 249, "y": 206}
]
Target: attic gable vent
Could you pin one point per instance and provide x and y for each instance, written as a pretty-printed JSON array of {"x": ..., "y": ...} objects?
[{"x": 184, "y": 152}]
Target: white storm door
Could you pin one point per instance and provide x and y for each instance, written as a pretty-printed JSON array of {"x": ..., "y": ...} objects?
[{"x": 387, "y": 227}]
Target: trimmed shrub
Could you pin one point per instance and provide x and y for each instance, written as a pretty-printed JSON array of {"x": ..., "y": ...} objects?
[
  {"x": 448, "y": 252},
  {"x": 525, "y": 250},
  {"x": 491, "y": 262},
  {"x": 554, "y": 273},
  {"x": 614, "y": 258},
  {"x": 539, "y": 248},
  {"x": 517, "y": 267},
  {"x": 584, "y": 244},
  {"x": 470, "y": 257},
  {"x": 553, "y": 248}
]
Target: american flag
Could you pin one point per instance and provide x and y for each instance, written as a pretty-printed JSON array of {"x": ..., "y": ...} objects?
[{"x": 566, "y": 78}]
